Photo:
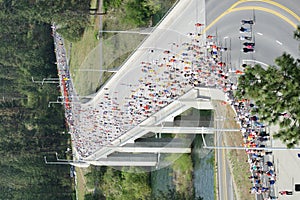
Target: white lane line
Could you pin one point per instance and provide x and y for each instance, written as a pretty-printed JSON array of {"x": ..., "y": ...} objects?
[
  {"x": 279, "y": 42},
  {"x": 259, "y": 33},
  {"x": 255, "y": 61}
]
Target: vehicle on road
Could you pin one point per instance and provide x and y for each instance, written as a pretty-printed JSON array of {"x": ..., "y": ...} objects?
[
  {"x": 249, "y": 44},
  {"x": 245, "y": 38},
  {"x": 250, "y": 21},
  {"x": 245, "y": 30},
  {"x": 247, "y": 50}
]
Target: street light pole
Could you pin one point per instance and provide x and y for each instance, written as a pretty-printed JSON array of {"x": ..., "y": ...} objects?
[
  {"x": 46, "y": 80},
  {"x": 72, "y": 96},
  {"x": 134, "y": 32},
  {"x": 96, "y": 70},
  {"x": 62, "y": 102},
  {"x": 78, "y": 163}
]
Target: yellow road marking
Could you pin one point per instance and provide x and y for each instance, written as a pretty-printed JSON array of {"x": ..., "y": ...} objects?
[
  {"x": 234, "y": 5},
  {"x": 232, "y": 9},
  {"x": 266, "y": 10},
  {"x": 216, "y": 20},
  {"x": 224, "y": 174},
  {"x": 270, "y": 2}
]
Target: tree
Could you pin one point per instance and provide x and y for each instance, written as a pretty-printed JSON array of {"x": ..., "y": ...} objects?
[
  {"x": 173, "y": 194},
  {"x": 275, "y": 91},
  {"x": 97, "y": 195},
  {"x": 111, "y": 184},
  {"x": 28, "y": 127},
  {"x": 135, "y": 184}
]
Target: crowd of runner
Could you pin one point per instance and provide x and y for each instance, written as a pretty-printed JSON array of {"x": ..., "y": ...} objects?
[
  {"x": 161, "y": 82},
  {"x": 254, "y": 132}
]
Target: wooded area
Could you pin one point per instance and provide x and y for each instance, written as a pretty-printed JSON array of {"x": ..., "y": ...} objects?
[{"x": 29, "y": 129}]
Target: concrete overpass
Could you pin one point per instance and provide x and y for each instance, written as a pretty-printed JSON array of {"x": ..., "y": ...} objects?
[
  {"x": 131, "y": 148},
  {"x": 126, "y": 144}
]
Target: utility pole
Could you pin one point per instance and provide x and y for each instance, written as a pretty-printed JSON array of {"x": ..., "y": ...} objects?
[
  {"x": 62, "y": 102},
  {"x": 46, "y": 80},
  {"x": 96, "y": 70}
]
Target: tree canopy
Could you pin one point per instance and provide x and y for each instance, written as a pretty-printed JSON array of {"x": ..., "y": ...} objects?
[
  {"x": 275, "y": 90},
  {"x": 135, "y": 13},
  {"x": 30, "y": 130},
  {"x": 117, "y": 184}
]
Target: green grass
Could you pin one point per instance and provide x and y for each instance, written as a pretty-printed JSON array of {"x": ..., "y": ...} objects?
[
  {"x": 80, "y": 58},
  {"x": 183, "y": 163},
  {"x": 182, "y": 167},
  {"x": 80, "y": 187},
  {"x": 211, "y": 160}
]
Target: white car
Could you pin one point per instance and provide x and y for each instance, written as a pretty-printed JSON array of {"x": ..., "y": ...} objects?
[{"x": 245, "y": 38}]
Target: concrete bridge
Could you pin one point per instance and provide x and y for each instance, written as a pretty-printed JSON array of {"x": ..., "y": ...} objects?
[{"x": 133, "y": 147}]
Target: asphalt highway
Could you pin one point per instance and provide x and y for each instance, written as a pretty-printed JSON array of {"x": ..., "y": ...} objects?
[
  {"x": 224, "y": 176},
  {"x": 272, "y": 32},
  {"x": 275, "y": 22}
]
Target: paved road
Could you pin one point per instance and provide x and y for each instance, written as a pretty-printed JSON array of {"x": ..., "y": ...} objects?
[
  {"x": 225, "y": 183},
  {"x": 287, "y": 164},
  {"x": 273, "y": 34}
]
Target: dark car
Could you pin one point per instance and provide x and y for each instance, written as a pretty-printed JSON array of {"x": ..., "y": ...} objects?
[
  {"x": 243, "y": 30},
  {"x": 247, "y": 50},
  {"x": 247, "y": 21},
  {"x": 249, "y": 44}
]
